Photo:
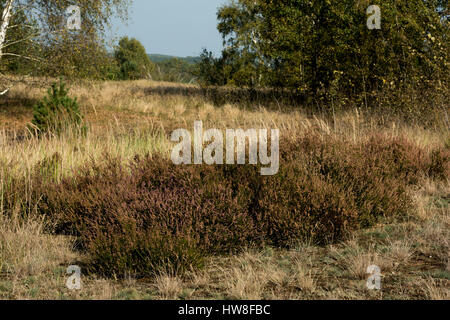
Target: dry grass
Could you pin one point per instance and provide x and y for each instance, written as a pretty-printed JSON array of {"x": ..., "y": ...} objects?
[
  {"x": 28, "y": 254},
  {"x": 138, "y": 104},
  {"x": 26, "y": 251},
  {"x": 435, "y": 291},
  {"x": 168, "y": 287},
  {"x": 248, "y": 277},
  {"x": 304, "y": 278},
  {"x": 21, "y": 156},
  {"x": 129, "y": 118}
]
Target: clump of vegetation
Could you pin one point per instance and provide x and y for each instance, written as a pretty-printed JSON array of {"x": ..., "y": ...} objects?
[
  {"x": 154, "y": 215},
  {"x": 133, "y": 60},
  {"x": 29, "y": 45},
  {"x": 57, "y": 112}
]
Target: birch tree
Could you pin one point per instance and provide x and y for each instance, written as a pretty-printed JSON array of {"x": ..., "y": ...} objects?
[
  {"x": 6, "y": 17},
  {"x": 47, "y": 23}
]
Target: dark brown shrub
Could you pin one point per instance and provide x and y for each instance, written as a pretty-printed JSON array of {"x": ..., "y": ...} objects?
[
  {"x": 152, "y": 215},
  {"x": 327, "y": 187},
  {"x": 306, "y": 206}
]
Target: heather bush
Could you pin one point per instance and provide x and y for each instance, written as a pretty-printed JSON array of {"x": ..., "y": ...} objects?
[
  {"x": 297, "y": 207},
  {"x": 327, "y": 187},
  {"x": 152, "y": 215},
  {"x": 149, "y": 216}
]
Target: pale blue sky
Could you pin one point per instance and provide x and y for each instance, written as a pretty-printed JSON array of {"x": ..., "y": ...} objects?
[{"x": 173, "y": 27}]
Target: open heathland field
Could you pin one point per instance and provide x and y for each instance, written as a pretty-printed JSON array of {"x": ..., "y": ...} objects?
[{"x": 355, "y": 188}]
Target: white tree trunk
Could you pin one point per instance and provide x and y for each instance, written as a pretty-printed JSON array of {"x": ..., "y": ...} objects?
[{"x": 6, "y": 16}]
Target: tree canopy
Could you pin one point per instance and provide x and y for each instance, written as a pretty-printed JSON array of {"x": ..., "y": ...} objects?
[
  {"x": 316, "y": 45},
  {"x": 133, "y": 60},
  {"x": 36, "y": 31}
]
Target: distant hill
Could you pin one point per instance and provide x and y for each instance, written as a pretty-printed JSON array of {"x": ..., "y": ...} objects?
[
  {"x": 174, "y": 69},
  {"x": 156, "y": 58}
]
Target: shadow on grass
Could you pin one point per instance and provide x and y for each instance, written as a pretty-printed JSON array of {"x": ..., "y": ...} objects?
[{"x": 248, "y": 98}]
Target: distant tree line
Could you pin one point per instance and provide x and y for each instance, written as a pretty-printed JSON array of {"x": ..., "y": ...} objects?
[
  {"x": 131, "y": 62},
  {"x": 321, "y": 47},
  {"x": 308, "y": 46}
]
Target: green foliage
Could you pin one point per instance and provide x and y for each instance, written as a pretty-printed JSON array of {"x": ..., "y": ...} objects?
[
  {"x": 325, "y": 48},
  {"x": 232, "y": 68},
  {"x": 79, "y": 57},
  {"x": 39, "y": 44},
  {"x": 211, "y": 71},
  {"x": 57, "y": 113},
  {"x": 333, "y": 46},
  {"x": 133, "y": 60}
]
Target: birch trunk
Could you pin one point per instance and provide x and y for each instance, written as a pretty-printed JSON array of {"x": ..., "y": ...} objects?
[{"x": 6, "y": 16}]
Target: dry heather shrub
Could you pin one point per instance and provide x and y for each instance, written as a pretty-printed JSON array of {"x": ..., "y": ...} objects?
[
  {"x": 326, "y": 188},
  {"x": 153, "y": 215},
  {"x": 439, "y": 166},
  {"x": 297, "y": 206},
  {"x": 376, "y": 172}
]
